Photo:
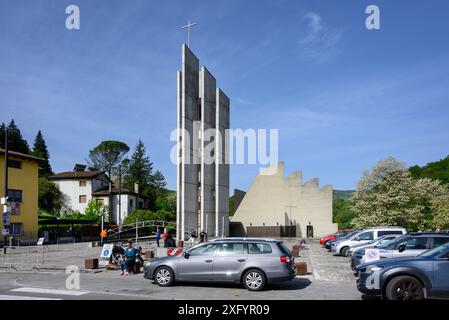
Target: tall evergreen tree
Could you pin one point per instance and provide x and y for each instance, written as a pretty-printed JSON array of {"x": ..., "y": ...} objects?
[
  {"x": 15, "y": 140},
  {"x": 158, "y": 180},
  {"x": 139, "y": 169},
  {"x": 40, "y": 150},
  {"x": 2, "y": 135}
]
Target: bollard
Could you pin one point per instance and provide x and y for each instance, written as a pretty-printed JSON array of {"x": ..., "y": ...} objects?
[{"x": 91, "y": 263}]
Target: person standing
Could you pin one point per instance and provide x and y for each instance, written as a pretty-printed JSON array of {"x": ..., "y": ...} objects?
[
  {"x": 192, "y": 237},
  {"x": 103, "y": 236},
  {"x": 158, "y": 236}
]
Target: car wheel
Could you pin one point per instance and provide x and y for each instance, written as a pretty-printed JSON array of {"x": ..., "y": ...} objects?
[
  {"x": 254, "y": 280},
  {"x": 404, "y": 288},
  {"x": 344, "y": 251},
  {"x": 164, "y": 276}
]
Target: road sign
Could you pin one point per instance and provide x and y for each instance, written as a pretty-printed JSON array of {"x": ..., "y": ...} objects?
[
  {"x": 5, "y": 232},
  {"x": 106, "y": 253},
  {"x": 40, "y": 241},
  {"x": 6, "y": 219},
  {"x": 372, "y": 254}
]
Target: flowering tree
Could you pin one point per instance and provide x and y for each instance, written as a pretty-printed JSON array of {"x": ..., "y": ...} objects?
[
  {"x": 440, "y": 208},
  {"x": 388, "y": 196}
]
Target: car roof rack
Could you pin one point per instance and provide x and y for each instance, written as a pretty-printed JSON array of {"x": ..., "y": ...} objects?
[
  {"x": 445, "y": 232},
  {"x": 245, "y": 239}
]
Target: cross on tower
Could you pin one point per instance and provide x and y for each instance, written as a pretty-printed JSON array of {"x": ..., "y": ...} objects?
[{"x": 189, "y": 25}]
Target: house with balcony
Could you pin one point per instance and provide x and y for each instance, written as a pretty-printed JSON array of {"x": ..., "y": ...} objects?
[{"x": 84, "y": 184}]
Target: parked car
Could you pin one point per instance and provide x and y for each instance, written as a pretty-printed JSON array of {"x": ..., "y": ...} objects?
[
  {"x": 328, "y": 245},
  {"x": 372, "y": 244},
  {"x": 335, "y": 235},
  {"x": 409, "y": 245},
  {"x": 341, "y": 247},
  {"x": 424, "y": 276},
  {"x": 252, "y": 262}
]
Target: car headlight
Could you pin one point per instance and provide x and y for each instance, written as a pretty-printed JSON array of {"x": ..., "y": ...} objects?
[{"x": 372, "y": 269}]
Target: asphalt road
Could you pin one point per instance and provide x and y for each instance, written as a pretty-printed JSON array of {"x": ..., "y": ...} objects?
[
  {"x": 329, "y": 278},
  {"x": 110, "y": 285}
]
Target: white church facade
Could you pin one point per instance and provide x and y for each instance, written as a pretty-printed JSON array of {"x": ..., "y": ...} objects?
[{"x": 275, "y": 202}]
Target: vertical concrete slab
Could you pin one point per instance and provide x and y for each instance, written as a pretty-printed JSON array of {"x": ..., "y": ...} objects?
[
  {"x": 190, "y": 157},
  {"x": 179, "y": 218},
  {"x": 208, "y": 100},
  {"x": 222, "y": 164}
]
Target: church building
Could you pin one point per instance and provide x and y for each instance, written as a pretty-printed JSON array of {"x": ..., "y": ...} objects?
[{"x": 279, "y": 206}]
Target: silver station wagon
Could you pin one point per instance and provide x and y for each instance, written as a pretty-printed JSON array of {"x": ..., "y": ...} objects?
[{"x": 252, "y": 262}]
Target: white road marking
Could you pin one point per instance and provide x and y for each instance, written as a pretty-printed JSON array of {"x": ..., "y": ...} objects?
[
  {"x": 10, "y": 297},
  {"x": 51, "y": 291}
]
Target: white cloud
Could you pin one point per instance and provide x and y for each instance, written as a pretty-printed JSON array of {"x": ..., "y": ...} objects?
[{"x": 321, "y": 41}]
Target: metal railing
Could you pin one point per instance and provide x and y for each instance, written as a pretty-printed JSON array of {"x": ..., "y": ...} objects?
[
  {"x": 127, "y": 228},
  {"x": 23, "y": 258}
]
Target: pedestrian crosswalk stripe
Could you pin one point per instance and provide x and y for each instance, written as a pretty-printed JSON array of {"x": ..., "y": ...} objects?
[
  {"x": 51, "y": 291},
  {"x": 11, "y": 297}
]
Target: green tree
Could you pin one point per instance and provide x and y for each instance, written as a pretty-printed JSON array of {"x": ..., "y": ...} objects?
[
  {"x": 107, "y": 156},
  {"x": 167, "y": 201},
  {"x": 438, "y": 170},
  {"x": 15, "y": 140},
  {"x": 398, "y": 199},
  {"x": 40, "y": 150},
  {"x": 383, "y": 168},
  {"x": 95, "y": 211},
  {"x": 50, "y": 197},
  {"x": 231, "y": 205},
  {"x": 440, "y": 208},
  {"x": 139, "y": 169},
  {"x": 145, "y": 215},
  {"x": 343, "y": 215}
]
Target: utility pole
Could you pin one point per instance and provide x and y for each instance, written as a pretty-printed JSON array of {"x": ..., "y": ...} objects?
[
  {"x": 5, "y": 206},
  {"x": 120, "y": 198}
]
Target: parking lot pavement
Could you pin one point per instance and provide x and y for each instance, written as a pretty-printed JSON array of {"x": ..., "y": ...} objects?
[
  {"x": 109, "y": 285},
  {"x": 325, "y": 266},
  {"x": 329, "y": 277}
]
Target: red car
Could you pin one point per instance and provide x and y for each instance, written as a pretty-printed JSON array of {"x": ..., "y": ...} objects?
[{"x": 331, "y": 237}]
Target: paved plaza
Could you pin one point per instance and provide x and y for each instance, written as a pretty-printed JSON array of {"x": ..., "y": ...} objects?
[{"x": 329, "y": 278}]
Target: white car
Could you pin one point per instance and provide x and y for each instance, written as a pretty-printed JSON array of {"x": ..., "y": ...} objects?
[{"x": 364, "y": 236}]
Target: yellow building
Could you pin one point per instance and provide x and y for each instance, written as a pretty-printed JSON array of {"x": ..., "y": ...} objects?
[{"x": 23, "y": 174}]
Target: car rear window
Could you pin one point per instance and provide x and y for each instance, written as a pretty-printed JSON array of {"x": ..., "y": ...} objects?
[
  {"x": 284, "y": 249},
  {"x": 438, "y": 241},
  {"x": 385, "y": 232},
  {"x": 259, "y": 248}
]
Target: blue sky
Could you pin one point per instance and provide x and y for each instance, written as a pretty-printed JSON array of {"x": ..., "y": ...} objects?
[{"x": 343, "y": 97}]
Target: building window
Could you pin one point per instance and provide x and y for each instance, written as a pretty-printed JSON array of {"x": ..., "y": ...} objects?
[
  {"x": 15, "y": 195},
  {"x": 100, "y": 202},
  {"x": 131, "y": 203},
  {"x": 14, "y": 164},
  {"x": 82, "y": 183},
  {"x": 16, "y": 229},
  {"x": 83, "y": 198},
  {"x": 140, "y": 205}
]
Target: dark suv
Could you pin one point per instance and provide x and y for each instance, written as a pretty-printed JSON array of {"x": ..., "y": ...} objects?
[{"x": 424, "y": 276}]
